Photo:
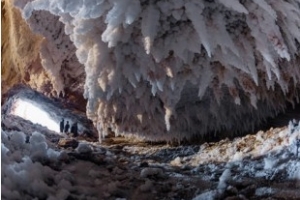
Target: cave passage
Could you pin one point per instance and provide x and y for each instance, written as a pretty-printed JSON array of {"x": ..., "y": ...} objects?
[
  {"x": 33, "y": 106},
  {"x": 35, "y": 114}
]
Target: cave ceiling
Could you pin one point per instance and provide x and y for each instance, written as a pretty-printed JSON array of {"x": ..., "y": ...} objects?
[{"x": 162, "y": 70}]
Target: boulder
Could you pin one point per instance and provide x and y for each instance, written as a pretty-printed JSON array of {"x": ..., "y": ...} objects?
[{"x": 66, "y": 143}]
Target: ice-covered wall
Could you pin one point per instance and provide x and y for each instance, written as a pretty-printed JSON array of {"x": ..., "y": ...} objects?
[
  {"x": 20, "y": 61},
  {"x": 46, "y": 62},
  {"x": 173, "y": 68}
]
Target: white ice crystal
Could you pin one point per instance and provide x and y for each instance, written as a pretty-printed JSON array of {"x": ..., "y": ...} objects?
[
  {"x": 235, "y": 5},
  {"x": 294, "y": 170},
  {"x": 185, "y": 67},
  {"x": 151, "y": 172},
  {"x": 84, "y": 148},
  {"x": 22, "y": 177},
  {"x": 223, "y": 180},
  {"x": 210, "y": 195}
]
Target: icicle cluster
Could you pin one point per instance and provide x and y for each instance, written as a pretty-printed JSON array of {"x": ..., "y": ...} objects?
[{"x": 173, "y": 69}]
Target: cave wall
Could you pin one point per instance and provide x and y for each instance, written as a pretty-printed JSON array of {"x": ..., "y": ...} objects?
[
  {"x": 20, "y": 51},
  {"x": 55, "y": 110},
  {"x": 170, "y": 69},
  {"x": 40, "y": 61}
]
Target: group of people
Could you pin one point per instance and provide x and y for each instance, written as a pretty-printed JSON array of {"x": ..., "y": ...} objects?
[{"x": 64, "y": 128}]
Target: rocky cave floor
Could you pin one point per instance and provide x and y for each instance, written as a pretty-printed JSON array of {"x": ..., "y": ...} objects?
[{"x": 259, "y": 166}]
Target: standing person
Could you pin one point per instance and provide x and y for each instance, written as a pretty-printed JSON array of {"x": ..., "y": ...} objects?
[
  {"x": 74, "y": 129},
  {"x": 67, "y": 127},
  {"x": 62, "y": 125},
  {"x": 297, "y": 146}
]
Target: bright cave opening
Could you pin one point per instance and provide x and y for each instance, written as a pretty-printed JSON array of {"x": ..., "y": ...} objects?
[{"x": 34, "y": 113}]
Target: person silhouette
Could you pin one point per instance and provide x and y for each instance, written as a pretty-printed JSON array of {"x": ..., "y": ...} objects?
[
  {"x": 74, "y": 129},
  {"x": 297, "y": 146},
  {"x": 62, "y": 125},
  {"x": 67, "y": 126}
]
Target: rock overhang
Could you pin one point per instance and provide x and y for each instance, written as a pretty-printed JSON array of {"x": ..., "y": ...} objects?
[{"x": 152, "y": 69}]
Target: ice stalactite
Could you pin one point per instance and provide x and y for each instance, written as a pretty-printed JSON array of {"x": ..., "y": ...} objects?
[{"x": 185, "y": 68}]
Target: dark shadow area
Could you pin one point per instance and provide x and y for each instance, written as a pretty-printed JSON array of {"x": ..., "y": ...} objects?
[{"x": 281, "y": 120}]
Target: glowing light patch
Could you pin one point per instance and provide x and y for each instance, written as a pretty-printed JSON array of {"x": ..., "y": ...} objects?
[{"x": 30, "y": 112}]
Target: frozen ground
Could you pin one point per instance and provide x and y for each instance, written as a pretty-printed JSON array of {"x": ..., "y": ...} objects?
[{"x": 260, "y": 166}]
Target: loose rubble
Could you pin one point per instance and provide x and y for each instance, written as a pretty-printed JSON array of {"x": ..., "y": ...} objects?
[{"x": 260, "y": 166}]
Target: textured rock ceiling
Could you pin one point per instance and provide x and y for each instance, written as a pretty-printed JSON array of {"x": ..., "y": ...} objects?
[{"x": 159, "y": 69}]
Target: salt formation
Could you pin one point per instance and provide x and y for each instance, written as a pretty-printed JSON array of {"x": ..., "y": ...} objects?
[
  {"x": 41, "y": 61},
  {"x": 175, "y": 69},
  {"x": 258, "y": 166}
]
